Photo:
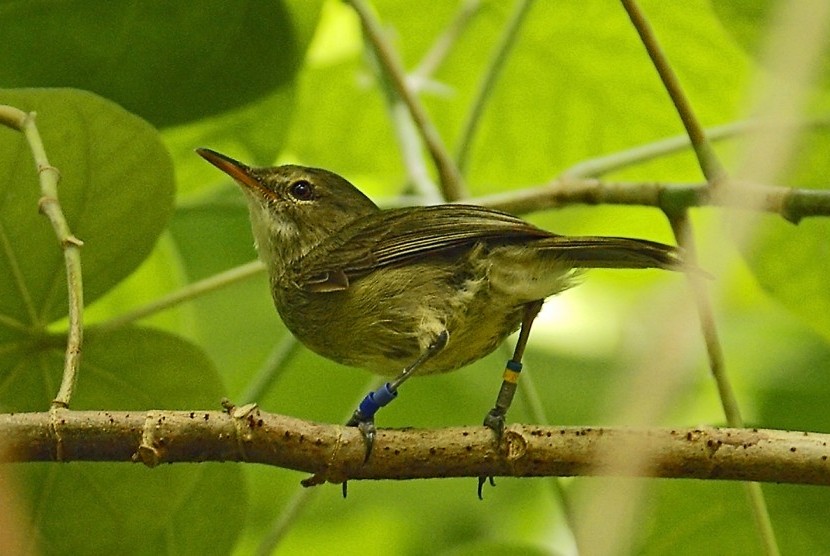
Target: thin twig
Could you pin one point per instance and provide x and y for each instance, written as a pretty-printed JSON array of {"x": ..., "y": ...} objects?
[
  {"x": 292, "y": 511},
  {"x": 410, "y": 145},
  {"x": 536, "y": 408},
  {"x": 709, "y": 163},
  {"x": 405, "y": 129},
  {"x": 444, "y": 43},
  {"x": 451, "y": 182},
  {"x": 186, "y": 293},
  {"x": 276, "y": 362},
  {"x": 601, "y": 165},
  {"x": 282, "y": 524},
  {"x": 49, "y": 206},
  {"x": 716, "y": 176},
  {"x": 487, "y": 85},
  {"x": 682, "y": 228}
]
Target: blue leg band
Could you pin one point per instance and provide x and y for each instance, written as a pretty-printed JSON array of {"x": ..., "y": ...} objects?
[{"x": 375, "y": 400}]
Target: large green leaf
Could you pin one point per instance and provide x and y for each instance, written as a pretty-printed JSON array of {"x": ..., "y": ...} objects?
[
  {"x": 131, "y": 509},
  {"x": 116, "y": 191},
  {"x": 792, "y": 262},
  {"x": 253, "y": 131},
  {"x": 238, "y": 325},
  {"x": 166, "y": 62}
]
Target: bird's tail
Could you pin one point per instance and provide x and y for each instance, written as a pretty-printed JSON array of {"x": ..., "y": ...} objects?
[{"x": 614, "y": 252}]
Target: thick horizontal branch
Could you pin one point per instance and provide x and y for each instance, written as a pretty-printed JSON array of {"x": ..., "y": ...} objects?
[
  {"x": 335, "y": 453},
  {"x": 793, "y": 204}
]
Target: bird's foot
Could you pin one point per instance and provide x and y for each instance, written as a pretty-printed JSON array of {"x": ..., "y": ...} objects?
[
  {"x": 366, "y": 426},
  {"x": 494, "y": 420}
]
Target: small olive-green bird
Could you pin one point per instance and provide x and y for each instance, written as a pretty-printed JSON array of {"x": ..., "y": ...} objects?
[{"x": 416, "y": 290}]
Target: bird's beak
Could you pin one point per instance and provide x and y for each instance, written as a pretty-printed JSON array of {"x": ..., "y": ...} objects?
[{"x": 241, "y": 173}]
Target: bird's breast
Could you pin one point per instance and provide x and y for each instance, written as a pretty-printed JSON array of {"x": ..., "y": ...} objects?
[{"x": 386, "y": 318}]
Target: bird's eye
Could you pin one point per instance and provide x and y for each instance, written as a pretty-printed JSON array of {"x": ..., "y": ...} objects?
[{"x": 302, "y": 190}]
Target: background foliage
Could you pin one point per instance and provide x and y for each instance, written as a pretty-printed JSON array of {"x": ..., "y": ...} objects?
[{"x": 291, "y": 81}]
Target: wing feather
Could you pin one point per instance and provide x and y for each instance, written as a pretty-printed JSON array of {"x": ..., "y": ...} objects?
[{"x": 394, "y": 236}]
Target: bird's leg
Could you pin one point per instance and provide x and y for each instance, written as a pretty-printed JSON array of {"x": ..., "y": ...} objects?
[
  {"x": 495, "y": 417},
  {"x": 364, "y": 416}
]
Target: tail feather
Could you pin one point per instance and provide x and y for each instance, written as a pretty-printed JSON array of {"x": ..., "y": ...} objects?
[{"x": 614, "y": 252}]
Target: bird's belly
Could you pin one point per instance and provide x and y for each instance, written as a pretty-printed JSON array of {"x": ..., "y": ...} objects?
[
  {"x": 387, "y": 350},
  {"x": 383, "y": 327}
]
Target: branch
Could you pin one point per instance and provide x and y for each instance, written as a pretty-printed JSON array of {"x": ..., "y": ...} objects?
[
  {"x": 684, "y": 235},
  {"x": 791, "y": 203},
  {"x": 50, "y": 207},
  {"x": 336, "y": 452}
]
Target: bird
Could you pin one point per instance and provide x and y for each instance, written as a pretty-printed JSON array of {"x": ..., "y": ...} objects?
[{"x": 411, "y": 291}]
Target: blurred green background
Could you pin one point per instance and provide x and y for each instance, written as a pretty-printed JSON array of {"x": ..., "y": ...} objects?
[{"x": 291, "y": 81}]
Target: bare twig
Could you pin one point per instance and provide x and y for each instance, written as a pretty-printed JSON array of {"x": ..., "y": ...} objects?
[
  {"x": 682, "y": 228},
  {"x": 271, "y": 369},
  {"x": 442, "y": 46},
  {"x": 716, "y": 177},
  {"x": 595, "y": 167},
  {"x": 410, "y": 145},
  {"x": 451, "y": 181},
  {"x": 485, "y": 89},
  {"x": 71, "y": 245},
  {"x": 709, "y": 162},
  {"x": 536, "y": 409},
  {"x": 186, "y": 293},
  {"x": 405, "y": 129}
]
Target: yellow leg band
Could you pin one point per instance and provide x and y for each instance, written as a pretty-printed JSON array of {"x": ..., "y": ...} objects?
[{"x": 511, "y": 376}]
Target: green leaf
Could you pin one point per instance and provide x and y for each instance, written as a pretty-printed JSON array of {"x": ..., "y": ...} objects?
[
  {"x": 131, "y": 509},
  {"x": 101, "y": 508},
  {"x": 238, "y": 326},
  {"x": 170, "y": 63},
  {"x": 695, "y": 517},
  {"x": 131, "y": 369},
  {"x": 253, "y": 131},
  {"x": 792, "y": 262},
  {"x": 116, "y": 192},
  {"x": 577, "y": 85},
  {"x": 750, "y": 21}
]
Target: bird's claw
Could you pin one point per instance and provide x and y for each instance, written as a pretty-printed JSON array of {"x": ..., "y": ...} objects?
[
  {"x": 366, "y": 426},
  {"x": 494, "y": 420}
]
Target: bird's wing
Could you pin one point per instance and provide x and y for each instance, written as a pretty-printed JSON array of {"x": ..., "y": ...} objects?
[{"x": 394, "y": 236}]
